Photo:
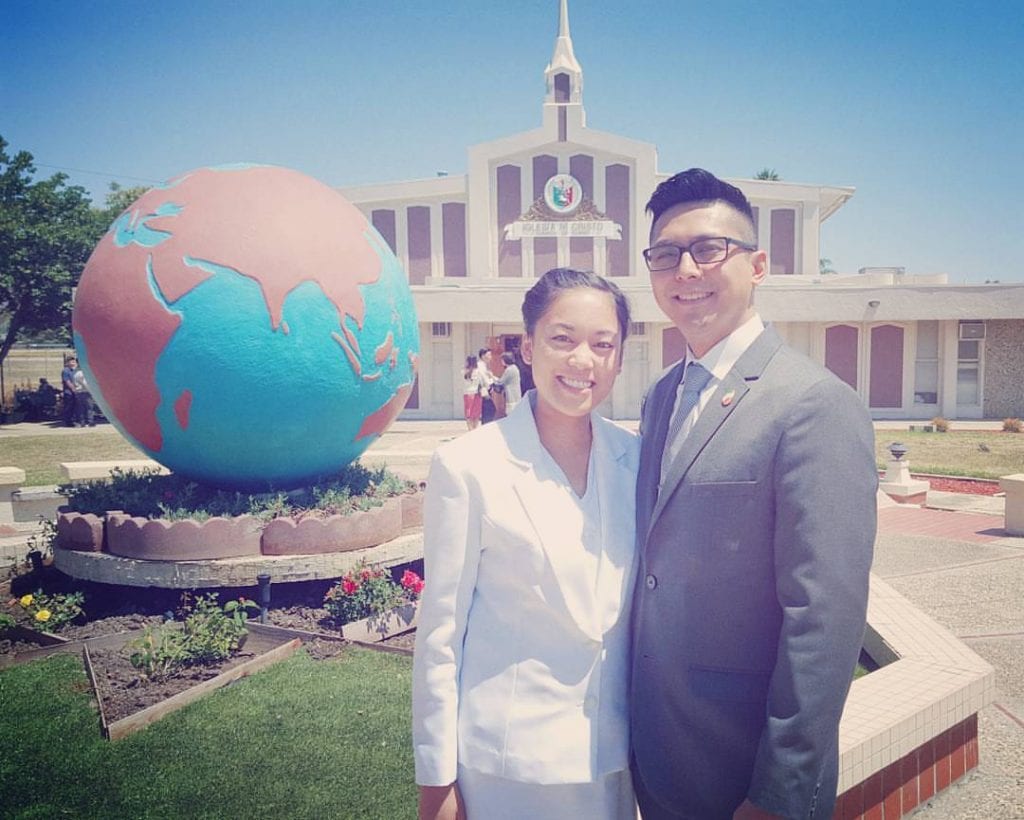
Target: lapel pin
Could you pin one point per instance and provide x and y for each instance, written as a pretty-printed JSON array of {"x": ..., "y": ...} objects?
[{"x": 728, "y": 397}]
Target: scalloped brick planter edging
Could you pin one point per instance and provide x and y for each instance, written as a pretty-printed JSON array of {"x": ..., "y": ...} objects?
[
  {"x": 187, "y": 540},
  {"x": 244, "y": 536},
  {"x": 274, "y": 650},
  {"x": 336, "y": 533},
  {"x": 80, "y": 531}
]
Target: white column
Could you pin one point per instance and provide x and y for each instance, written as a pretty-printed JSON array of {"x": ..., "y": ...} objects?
[{"x": 948, "y": 356}]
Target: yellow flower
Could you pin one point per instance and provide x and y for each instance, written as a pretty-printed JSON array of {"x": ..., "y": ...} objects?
[
  {"x": 26, "y": 600},
  {"x": 43, "y": 615}
]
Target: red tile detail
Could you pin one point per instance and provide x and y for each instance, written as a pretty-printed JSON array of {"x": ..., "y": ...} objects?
[
  {"x": 873, "y": 797},
  {"x": 850, "y": 805},
  {"x": 971, "y": 753},
  {"x": 909, "y": 771},
  {"x": 926, "y": 767},
  {"x": 942, "y": 750},
  {"x": 891, "y": 791},
  {"x": 957, "y": 753}
]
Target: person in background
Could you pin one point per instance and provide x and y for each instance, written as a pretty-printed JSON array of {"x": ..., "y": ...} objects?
[
  {"x": 472, "y": 392},
  {"x": 521, "y": 667},
  {"x": 756, "y": 517},
  {"x": 67, "y": 382},
  {"x": 84, "y": 408},
  {"x": 488, "y": 411},
  {"x": 510, "y": 382}
]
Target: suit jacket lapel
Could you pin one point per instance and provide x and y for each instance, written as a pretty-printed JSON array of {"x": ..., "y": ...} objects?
[
  {"x": 545, "y": 512},
  {"x": 616, "y": 483},
  {"x": 661, "y": 400},
  {"x": 747, "y": 370}
]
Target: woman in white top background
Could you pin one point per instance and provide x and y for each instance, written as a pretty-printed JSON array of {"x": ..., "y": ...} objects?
[
  {"x": 520, "y": 673},
  {"x": 472, "y": 392}
]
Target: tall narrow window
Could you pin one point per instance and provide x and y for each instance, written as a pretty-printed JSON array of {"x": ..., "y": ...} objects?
[
  {"x": 783, "y": 250},
  {"x": 418, "y": 230}
]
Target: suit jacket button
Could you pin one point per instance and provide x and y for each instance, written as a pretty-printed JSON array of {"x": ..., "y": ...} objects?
[{"x": 651, "y": 582}]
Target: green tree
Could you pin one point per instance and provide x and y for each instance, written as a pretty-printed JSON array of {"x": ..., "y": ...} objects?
[
  {"x": 769, "y": 174},
  {"x": 47, "y": 231},
  {"x": 825, "y": 266}
]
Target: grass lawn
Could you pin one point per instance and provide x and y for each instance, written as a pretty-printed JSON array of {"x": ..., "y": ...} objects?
[
  {"x": 978, "y": 453},
  {"x": 303, "y": 739},
  {"x": 40, "y": 456}
]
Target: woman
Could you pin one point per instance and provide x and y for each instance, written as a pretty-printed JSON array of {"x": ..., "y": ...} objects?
[
  {"x": 520, "y": 673},
  {"x": 472, "y": 393},
  {"x": 510, "y": 382}
]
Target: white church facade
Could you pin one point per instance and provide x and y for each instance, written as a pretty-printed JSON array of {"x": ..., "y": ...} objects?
[{"x": 563, "y": 194}]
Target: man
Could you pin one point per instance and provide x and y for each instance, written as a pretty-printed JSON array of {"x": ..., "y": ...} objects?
[
  {"x": 67, "y": 381},
  {"x": 755, "y": 524}
]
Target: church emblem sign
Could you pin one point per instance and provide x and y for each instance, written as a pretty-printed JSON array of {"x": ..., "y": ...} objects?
[
  {"x": 563, "y": 194},
  {"x": 563, "y": 210}
]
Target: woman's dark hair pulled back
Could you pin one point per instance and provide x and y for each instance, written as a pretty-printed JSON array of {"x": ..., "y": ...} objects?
[{"x": 559, "y": 280}]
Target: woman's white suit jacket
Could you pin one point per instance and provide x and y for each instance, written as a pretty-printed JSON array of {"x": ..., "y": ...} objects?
[{"x": 521, "y": 664}]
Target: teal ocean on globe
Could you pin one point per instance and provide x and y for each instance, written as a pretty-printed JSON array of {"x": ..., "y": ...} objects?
[{"x": 247, "y": 327}]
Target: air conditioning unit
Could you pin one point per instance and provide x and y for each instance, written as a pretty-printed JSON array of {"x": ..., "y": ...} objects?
[{"x": 972, "y": 330}]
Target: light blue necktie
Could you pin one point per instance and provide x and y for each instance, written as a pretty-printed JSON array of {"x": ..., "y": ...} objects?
[{"x": 695, "y": 379}]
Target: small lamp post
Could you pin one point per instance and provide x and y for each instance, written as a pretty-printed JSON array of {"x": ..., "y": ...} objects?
[{"x": 263, "y": 579}]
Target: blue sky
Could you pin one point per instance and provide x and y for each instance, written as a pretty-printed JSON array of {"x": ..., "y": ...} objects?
[{"x": 919, "y": 105}]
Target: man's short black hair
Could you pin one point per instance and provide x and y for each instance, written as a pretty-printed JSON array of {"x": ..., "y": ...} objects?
[{"x": 697, "y": 185}]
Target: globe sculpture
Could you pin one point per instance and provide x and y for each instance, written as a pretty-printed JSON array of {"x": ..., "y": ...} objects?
[{"x": 246, "y": 327}]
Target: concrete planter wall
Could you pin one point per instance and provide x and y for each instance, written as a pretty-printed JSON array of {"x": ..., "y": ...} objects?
[
  {"x": 380, "y": 627},
  {"x": 80, "y": 531},
  {"x": 336, "y": 533},
  {"x": 158, "y": 540},
  {"x": 412, "y": 510}
]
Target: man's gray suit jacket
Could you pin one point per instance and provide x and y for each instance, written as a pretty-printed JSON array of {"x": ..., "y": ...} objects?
[{"x": 750, "y": 601}]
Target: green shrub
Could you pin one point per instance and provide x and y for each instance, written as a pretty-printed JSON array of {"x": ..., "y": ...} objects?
[
  {"x": 148, "y": 494},
  {"x": 209, "y": 633},
  {"x": 46, "y": 613}
]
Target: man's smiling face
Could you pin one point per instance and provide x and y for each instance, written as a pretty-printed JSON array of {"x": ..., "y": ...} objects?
[{"x": 707, "y": 302}]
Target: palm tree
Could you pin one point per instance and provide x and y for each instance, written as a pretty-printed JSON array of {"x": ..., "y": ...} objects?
[{"x": 769, "y": 174}]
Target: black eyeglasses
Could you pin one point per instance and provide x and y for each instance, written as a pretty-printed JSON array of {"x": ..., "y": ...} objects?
[{"x": 703, "y": 251}]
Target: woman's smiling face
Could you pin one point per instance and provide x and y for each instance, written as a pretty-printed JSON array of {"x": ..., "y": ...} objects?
[{"x": 575, "y": 351}]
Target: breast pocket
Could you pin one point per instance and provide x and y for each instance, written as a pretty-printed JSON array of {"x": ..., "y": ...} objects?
[{"x": 727, "y": 513}]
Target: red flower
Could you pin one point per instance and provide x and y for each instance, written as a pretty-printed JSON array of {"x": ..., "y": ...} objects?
[
  {"x": 348, "y": 586},
  {"x": 412, "y": 581},
  {"x": 367, "y": 573}
]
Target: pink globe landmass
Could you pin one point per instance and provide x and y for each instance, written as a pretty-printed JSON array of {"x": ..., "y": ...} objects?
[{"x": 279, "y": 207}]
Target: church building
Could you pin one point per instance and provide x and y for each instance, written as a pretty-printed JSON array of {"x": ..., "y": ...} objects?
[{"x": 563, "y": 194}]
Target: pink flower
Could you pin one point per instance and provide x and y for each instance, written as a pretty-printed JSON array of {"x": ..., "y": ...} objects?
[
  {"x": 367, "y": 573},
  {"x": 412, "y": 582},
  {"x": 348, "y": 586}
]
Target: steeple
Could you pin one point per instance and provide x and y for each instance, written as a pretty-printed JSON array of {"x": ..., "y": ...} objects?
[{"x": 563, "y": 103}]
